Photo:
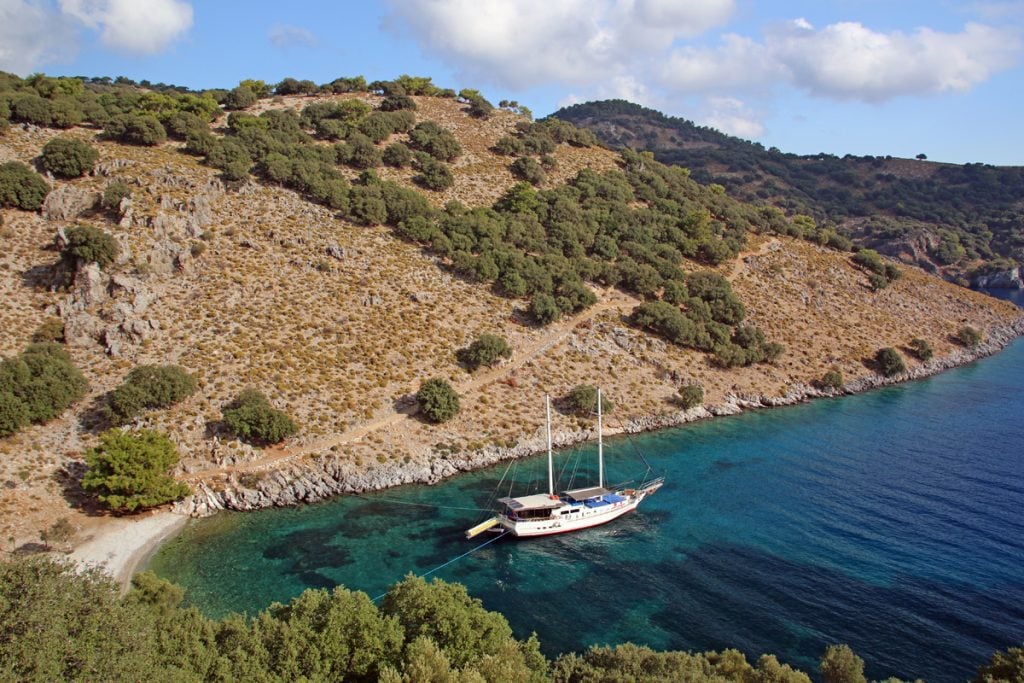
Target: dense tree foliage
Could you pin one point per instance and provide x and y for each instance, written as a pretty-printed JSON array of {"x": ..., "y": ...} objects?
[
  {"x": 487, "y": 349},
  {"x": 68, "y": 157},
  {"x": 87, "y": 244},
  {"x": 20, "y": 188},
  {"x": 37, "y": 385},
  {"x": 438, "y": 401},
  {"x": 136, "y": 129},
  {"x": 147, "y": 387},
  {"x": 129, "y": 471},
  {"x": 974, "y": 208},
  {"x": 251, "y": 417},
  {"x": 839, "y": 664},
  {"x": 422, "y": 631},
  {"x": 1003, "y": 667}
]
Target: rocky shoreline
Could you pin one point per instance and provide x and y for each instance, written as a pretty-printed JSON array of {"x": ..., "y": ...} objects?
[{"x": 324, "y": 476}]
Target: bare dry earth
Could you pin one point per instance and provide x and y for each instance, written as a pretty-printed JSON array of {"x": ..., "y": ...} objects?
[{"x": 339, "y": 323}]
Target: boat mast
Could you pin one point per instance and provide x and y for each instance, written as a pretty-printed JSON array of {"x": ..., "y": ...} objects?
[
  {"x": 600, "y": 443},
  {"x": 551, "y": 466}
]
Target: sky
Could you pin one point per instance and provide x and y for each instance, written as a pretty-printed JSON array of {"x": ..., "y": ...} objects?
[{"x": 943, "y": 78}]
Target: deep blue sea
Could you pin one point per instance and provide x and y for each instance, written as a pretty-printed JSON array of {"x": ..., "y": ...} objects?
[{"x": 892, "y": 521}]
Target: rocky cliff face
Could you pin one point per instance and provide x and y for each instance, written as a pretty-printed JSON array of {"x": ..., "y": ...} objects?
[{"x": 1004, "y": 279}]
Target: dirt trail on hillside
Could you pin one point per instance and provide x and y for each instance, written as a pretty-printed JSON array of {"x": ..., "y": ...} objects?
[{"x": 612, "y": 300}]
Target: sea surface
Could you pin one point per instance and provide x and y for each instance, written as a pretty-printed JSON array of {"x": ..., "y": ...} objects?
[{"x": 892, "y": 521}]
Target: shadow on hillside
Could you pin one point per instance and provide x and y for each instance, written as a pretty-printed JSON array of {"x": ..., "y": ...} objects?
[
  {"x": 69, "y": 478},
  {"x": 46, "y": 277}
]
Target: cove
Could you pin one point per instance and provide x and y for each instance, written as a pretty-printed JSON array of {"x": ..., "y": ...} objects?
[{"x": 892, "y": 521}]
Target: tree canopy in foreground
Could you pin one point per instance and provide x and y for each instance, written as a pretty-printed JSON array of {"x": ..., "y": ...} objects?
[{"x": 421, "y": 631}]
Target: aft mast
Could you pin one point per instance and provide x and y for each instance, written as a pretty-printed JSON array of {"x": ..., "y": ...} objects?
[
  {"x": 600, "y": 443},
  {"x": 551, "y": 466}
]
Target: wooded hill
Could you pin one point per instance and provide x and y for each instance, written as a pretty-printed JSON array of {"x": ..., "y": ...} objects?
[
  {"x": 293, "y": 265},
  {"x": 960, "y": 221}
]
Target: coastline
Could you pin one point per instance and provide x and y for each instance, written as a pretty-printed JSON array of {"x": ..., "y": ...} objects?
[
  {"x": 326, "y": 475},
  {"x": 121, "y": 545}
]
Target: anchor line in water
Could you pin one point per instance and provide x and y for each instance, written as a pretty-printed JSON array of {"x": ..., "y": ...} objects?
[
  {"x": 423, "y": 505},
  {"x": 454, "y": 559}
]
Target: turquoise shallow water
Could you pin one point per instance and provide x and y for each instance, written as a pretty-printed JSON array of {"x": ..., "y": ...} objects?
[{"x": 892, "y": 521}]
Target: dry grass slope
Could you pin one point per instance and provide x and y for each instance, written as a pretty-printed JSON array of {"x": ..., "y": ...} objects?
[{"x": 339, "y": 323}]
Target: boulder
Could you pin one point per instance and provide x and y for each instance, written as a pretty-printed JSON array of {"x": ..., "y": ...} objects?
[{"x": 68, "y": 202}]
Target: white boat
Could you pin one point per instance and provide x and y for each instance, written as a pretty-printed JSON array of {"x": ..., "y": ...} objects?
[{"x": 542, "y": 514}]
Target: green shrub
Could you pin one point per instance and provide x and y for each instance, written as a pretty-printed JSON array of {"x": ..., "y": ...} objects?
[
  {"x": 88, "y": 244},
  {"x": 114, "y": 193},
  {"x": 691, "y": 396},
  {"x": 51, "y": 330},
  {"x": 20, "y": 188},
  {"x": 181, "y": 123},
  {"x": 252, "y": 418},
  {"x": 968, "y": 336},
  {"x": 870, "y": 259},
  {"x": 131, "y": 470},
  {"x": 527, "y": 168},
  {"x": 147, "y": 387},
  {"x": 68, "y": 157},
  {"x": 433, "y": 174},
  {"x": 136, "y": 129},
  {"x": 30, "y": 108},
  {"x": 833, "y": 379},
  {"x": 921, "y": 349},
  {"x": 543, "y": 309},
  {"x": 37, "y": 385},
  {"x": 487, "y": 349},
  {"x": 397, "y": 102},
  {"x": 431, "y": 138},
  {"x": 889, "y": 362},
  {"x": 397, "y": 155},
  {"x": 438, "y": 400},
  {"x": 240, "y": 97},
  {"x": 582, "y": 400}
]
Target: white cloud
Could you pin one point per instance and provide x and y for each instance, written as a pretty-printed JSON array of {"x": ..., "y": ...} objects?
[
  {"x": 284, "y": 36},
  {"x": 30, "y": 35},
  {"x": 578, "y": 42},
  {"x": 847, "y": 61},
  {"x": 731, "y": 115},
  {"x": 643, "y": 50},
  {"x": 135, "y": 26}
]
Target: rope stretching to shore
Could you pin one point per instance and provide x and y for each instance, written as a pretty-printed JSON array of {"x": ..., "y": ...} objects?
[{"x": 454, "y": 559}]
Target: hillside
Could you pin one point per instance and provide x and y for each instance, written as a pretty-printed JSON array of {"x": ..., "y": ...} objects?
[
  {"x": 963, "y": 222},
  {"x": 320, "y": 297}
]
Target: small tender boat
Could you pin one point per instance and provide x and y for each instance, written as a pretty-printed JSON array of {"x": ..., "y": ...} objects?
[{"x": 542, "y": 514}]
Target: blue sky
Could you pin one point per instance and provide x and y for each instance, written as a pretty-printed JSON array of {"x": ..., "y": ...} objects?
[{"x": 900, "y": 77}]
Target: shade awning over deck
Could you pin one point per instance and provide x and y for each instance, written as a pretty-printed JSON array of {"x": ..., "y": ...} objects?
[
  {"x": 539, "y": 501},
  {"x": 587, "y": 493}
]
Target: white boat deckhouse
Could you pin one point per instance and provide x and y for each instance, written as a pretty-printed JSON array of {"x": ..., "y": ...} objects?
[{"x": 542, "y": 514}]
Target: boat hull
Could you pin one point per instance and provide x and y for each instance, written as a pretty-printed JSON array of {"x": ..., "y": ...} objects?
[{"x": 583, "y": 519}]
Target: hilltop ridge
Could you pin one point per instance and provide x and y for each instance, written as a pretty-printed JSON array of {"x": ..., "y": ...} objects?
[{"x": 962, "y": 222}]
